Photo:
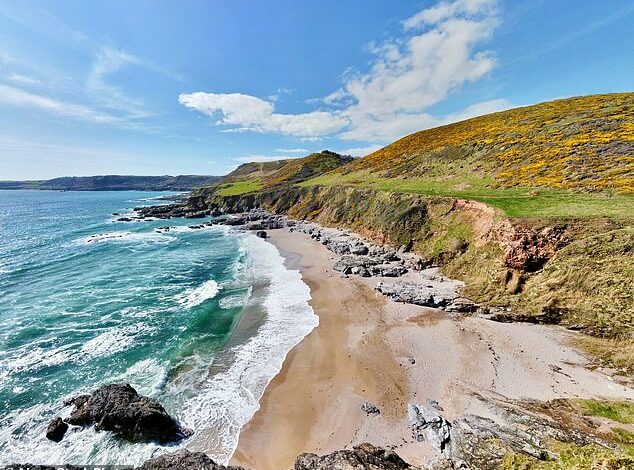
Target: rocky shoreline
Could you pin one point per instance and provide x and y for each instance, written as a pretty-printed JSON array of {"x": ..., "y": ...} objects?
[{"x": 414, "y": 280}]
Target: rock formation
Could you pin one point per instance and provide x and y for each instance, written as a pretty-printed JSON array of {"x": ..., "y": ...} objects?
[{"x": 120, "y": 409}]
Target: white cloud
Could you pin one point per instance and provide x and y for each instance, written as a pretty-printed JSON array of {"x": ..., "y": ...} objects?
[
  {"x": 255, "y": 114},
  {"x": 19, "y": 98},
  {"x": 262, "y": 158},
  {"x": 412, "y": 74},
  {"x": 298, "y": 150},
  {"x": 438, "y": 53},
  {"x": 360, "y": 151},
  {"x": 444, "y": 10}
]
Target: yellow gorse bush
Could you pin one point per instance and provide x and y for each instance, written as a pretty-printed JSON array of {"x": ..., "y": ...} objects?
[{"x": 584, "y": 143}]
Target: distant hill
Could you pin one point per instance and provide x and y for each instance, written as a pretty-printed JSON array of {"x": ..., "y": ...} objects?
[
  {"x": 259, "y": 175},
  {"x": 115, "y": 183}
]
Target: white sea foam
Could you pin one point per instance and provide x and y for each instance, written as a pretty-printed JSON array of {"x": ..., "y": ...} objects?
[
  {"x": 151, "y": 237},
  {"x": 229, "y": 399},
  {"x": 192, "y": 297},
  {"x": 111, "y": 341},
  {"x": 236, "y": 300}
]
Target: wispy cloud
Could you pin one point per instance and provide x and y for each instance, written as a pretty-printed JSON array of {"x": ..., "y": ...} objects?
[
  {"x": 107, "y": 62},
  {"x": 24, "y": 79},
  {"x": 437, "y": 53},
  {"x": 261, "y": 158},
  {"x": 101, "y": 93},
  {"x": 297, "y": 150},
  {"x": 16, "y": 97}
]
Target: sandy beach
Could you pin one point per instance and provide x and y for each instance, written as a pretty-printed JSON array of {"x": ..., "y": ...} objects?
[{"x": 369, "y": 348}]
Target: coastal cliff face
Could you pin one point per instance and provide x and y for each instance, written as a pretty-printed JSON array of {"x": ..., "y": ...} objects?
[{"x": 555, "y": 272}]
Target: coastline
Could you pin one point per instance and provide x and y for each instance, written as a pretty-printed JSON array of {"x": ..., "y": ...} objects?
[{"x": 368, "y": 348}]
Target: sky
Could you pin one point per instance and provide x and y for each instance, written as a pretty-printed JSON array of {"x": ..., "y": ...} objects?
[{"x": 199, "y": 87}]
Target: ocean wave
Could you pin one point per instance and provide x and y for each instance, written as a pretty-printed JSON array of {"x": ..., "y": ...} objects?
[
  {"x": 235, "y": 300},
  {"x": 126, "y": 237},
  {"x": 207, "y": 290},
  {"x": 112, "y": 341},
  {"x": 231, "y": 398}
]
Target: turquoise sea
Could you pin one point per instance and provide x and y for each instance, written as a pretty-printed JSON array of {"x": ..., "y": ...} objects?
[{"x": 199, "y": 319}]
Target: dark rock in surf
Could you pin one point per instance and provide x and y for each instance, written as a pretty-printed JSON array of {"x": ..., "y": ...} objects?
[
  {"x": 56, "y": 430},
  {"x": 261, "y": 234},
  {"x": 120, "y": 409}
]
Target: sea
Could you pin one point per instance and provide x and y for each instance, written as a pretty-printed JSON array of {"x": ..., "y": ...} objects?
[{"x": 200, "y": 319}]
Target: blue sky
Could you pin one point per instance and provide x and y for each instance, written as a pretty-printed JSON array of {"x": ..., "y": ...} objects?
[{"x": 198, "y": 87}]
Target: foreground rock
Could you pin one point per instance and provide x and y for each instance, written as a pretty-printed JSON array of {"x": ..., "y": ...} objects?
[
  {"x": 120, "y": 409},
  {"x": 364, "y": 456},
  {"x": 184, "y": 460}
]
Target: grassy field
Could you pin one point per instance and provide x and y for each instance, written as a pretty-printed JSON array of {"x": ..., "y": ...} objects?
[
  {"x": 239, "y": 187},
  {"x": 514, "y": 202}
]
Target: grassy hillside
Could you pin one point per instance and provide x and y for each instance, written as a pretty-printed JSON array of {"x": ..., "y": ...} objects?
[
  {"x": 255, "y": 176},
  {"x": 554, "y": 239},
  {"x": 565, "y": 158}
]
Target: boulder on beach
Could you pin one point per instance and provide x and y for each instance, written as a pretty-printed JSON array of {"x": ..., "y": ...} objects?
[
  {"x": 120, "y": 409},
  {"x": 261, "y": 234}
]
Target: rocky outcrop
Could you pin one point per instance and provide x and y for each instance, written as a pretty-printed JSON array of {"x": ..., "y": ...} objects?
[
  {"x": 184, "y": 460},
  {"x": 528, "y": 249},
  {"x": 120, "y": 409},
  {"x": 364, "y": 456},
  {"x": 427, "y": 421}
]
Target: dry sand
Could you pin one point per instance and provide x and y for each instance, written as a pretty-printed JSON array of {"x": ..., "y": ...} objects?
[{"x": 368, "y": 348}]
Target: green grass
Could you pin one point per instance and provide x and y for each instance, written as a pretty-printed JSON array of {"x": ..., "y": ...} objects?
[
  {"x": 514, "y": 202},
  {"x": 619, "y": 411},
  {"x": 571, "y": 457},
  {"x": 239, "y": 187}
]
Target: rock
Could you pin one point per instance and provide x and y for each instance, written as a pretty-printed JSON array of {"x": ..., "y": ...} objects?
[
  {"x": 184, "y": 460},
  {"x": 461, "y": 305},
  {"x": 261, "y": 234},
  {"x": 428, "y": 419},
  {"x": 388, "y": 270},
  {"x": 235, "y": 221},
  {"x": 124, "y": 219},
  {"x": 56, "y": 430},
  {"x": 359, "y": 249},
  {"x": 120, "y": 409},
  {"x": 363, "y": 456},
  {"x": 195, "y": 215},
  {"x": 417, "y": 294},
  {"x": 370, "y": 409}
]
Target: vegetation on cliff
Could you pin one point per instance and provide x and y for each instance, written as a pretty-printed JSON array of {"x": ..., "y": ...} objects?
[
  {"x": 254, "y": 176},
  {"x": 549, "y": 234},
  {"x": 584, "y": 143}
]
